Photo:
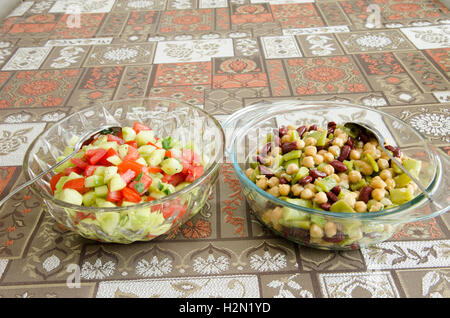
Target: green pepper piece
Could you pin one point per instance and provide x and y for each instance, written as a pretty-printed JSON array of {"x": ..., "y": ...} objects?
[
  {"x": 372, "y": 162},
  {"x": 254, "y": 174},
  {"x": 319, "y": 220},
  {"x": 413, "y": 166},
  {"x": 402, "y": 180},
  {"x": 401, "y": 195},
  {"x": 286, "y": 163},
  {"x": 341, "y": 206},
  {"x": 301, "y": 173},
  {"x": 349, "y": 164},
  {"x": 326, "y": 184},
  {"x": 294, "y": 135},
  {"x": 277, "y": 162},
  {"x": 296, "y": 223},
  {"x": 292, "y": 155},
  {"x": 320, "y": 136},
  {"x": 358, "y": 185}
]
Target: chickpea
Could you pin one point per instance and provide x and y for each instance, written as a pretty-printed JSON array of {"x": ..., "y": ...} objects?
[
  {"x": 315, "y": 231},
  {"x": 385, "y": 174},
  {"x": 276, "y": 215},
  {"x": 310, "y": 151},
  {"x": 276, "y": 151},
  {"x": 291, "y": 127},
  {"x": 310, "y": 141},
  {"x": 335, "y": 150},
  {"x": 369, "y": 146},
  {"x": 376, "y": 206},
  {"x": 354, "y": 176},
  {"x": 338, "y": 142},
  {"x": 284, "y": 189},
  {"x": 390, "y": 183},
  {"x": 308, "y": 162},
  {"x": 377, "y": 183},
  {"x": 328, "y": 157},
  {"x": 274, "y": 181},
  {"x": 360, "y": 206},
  {"x": 320, "y": 198},
  {"x": 328, "y": 169},
  {"x": 383, "y": 163},
  {"x": 322, "y": 152},
  {"x": 366, "y": 169},
  {"x": 286, "y": 138},
  {"x": 355, "y": 154},
  {"x": 355, "y": 234},
  {"x": 269, "y": 160},
  {"x": 336, "y": 177},
  {"x": 261, "y": 182},
  {"x": 275, "y": 191},
  {"x": 384, "y": 155},
  {"x": 330, "y": 229},
  {"x": 306, "y": 194},
  {"x": 297, "y": 189},
  {"x": 249, "y": 172},
  {"x": 311, "y": 187},
  {"x": 292, "y": 168},
  {"x": 338, "y": 131},
  {"x": 318, "y": 159},
  {"x": 300, "y": 144}
]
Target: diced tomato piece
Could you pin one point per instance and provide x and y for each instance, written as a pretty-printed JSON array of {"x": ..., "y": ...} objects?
[
  {"x": 69, "y": 170},
  {"x": 94, "y": 155},
  {"x": 120, "y": 135},
  {"x": 114, "y": 197},
  {"x": 191, "y": 157},
  {"x": 54, "y": 180},
  {"x": 131, "y": 195},
  {"x": 174, "y": 208},
  {"x": 76, "y": 184},
  {"x": 117, "y": 139},
  {"x": 174, "y": 179},
  {"x": 79, "y": 163},
  {"x": 110, "y": 152},
  {"x": 168, "y": 153},
  {"x": 82, "y": 216},
  {"x": 194, "y": 172},
  {"x": 152, "y": 144},
  {"x": 132, "y": 154},
  {"x": 145, "y": 180},
  {"x": 150, "y": 198},
  {"x": 152, "y": 169},
  {"x": 128, "y": 175},
  {"x": 90, "y": 170},
  {"x": 126, "y": 165},
  {"x": 132, "y": 143},
  {"x": 139, "y": 126}
]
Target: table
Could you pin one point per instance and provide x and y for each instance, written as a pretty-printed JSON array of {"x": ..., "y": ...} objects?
[{"x": 60, "y": 56}]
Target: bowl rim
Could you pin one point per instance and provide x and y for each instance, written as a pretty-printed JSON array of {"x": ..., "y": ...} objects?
[
  {"x": 390, "y": 212},
  {"x": 160, "y": 201}
]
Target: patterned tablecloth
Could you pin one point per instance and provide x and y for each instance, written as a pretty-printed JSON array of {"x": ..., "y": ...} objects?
[{"x": 60, "y": 56}]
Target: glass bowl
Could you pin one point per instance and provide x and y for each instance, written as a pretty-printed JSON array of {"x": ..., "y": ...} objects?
[
  {"x": 247, "y": 129},
  {"x": 144, "y": 221}
]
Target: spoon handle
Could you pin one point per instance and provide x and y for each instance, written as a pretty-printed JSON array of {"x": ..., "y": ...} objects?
[
  {"x": 26, "y": 184},
  {"x": 416, "y": 181}
]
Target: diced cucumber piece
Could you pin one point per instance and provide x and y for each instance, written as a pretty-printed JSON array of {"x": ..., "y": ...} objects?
[
  {"x": 146, "y": 150},
  {"x": 166, "y": 188},
  {"x": 294, "y": 154},
  {"x": 71, "y": 196},
  {"x": 104, "y": 204},
  {"x": 301, "y": 173},
  {"x": 123, "y": 150},
  {"x": 128, "y": 134},
  {"x": 110, "y": 144},
  {"x": 62, "y": 167},
  {"x": 401, "y": 195},
  {"x": 67, "y": 151},
  {"x": 110, "y": 172},
  {"x": 115, "y": 160},
  {"x": 341, "y": 206},
  {"x": 141, "y": 161},
  {"x": 182, "y": 185},
  {"x": 128, "y": 203},
  {"x": 101, "y": 140},
  {"x": 171, "y": 166},
  {"x": 73, "y": 140},
  {"x": 326, "y": 184},
  {"x": 89, "y": 198},
  {"x": 60, "y": 184},
  {"x": 116, "y": 183},
  {"x": 139, "y": 219},
  {"x": 144, "y": 137},
  {"x": 108, "y": 221},
  {"x": 74, "y": 175},
  {"x": 93, "y": 181},
  {"x": 100, "y": 171},
  {"x": 156, "y": 157},
  {"x": 413, "y": 166},
  {"x": 101, "y": 191}
]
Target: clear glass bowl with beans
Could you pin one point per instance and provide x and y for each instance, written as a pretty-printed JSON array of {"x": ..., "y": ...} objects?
[{"x": 324, "y": 185}]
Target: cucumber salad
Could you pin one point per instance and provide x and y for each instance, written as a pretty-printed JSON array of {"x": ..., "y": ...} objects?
[
  {"x": 124, "y": 170},
  {"x": 335, "y": 169}
]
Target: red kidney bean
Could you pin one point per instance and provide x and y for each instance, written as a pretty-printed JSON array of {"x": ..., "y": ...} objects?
[
  {"x": 282, "y": 131},
  {"x": 336, "y": 190},
  {"x": 350, "y": 142},
  {"x": 312, "y": 127},
  {"x": 305, "y": 180},
  {"x": 326, "y": 206},
  {"x": 301, "y": 130},
  {"x": 331, "y": 197},
  {"x": 338, "y": 237},
  {"x": 331, "y": 127},
  {"x": 338, "y": 166},
  {"x": 395, "y": 151},
  {"x": 266, "y": 148},
  {"x": 283, "y": 180},
  {"x": 317, "y": 174},
  {"x": 261, "y": 160},
  {"x": 364, "y": 194},
  {"x": 363, "y": 137},
  {"x": 276, "y": 140},
  {"x": 345, "y": 152},
  {"x": 266, "y": 171},
  {"x": 288, "y": 146}
]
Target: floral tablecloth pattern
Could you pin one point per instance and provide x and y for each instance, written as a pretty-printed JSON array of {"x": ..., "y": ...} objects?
[{"x": 222, "y": 55}]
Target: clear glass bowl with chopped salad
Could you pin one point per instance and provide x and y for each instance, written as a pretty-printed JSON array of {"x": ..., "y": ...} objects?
[
  {"x": 135, "y": 185},
  {"x": 311, "y": 180}
]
